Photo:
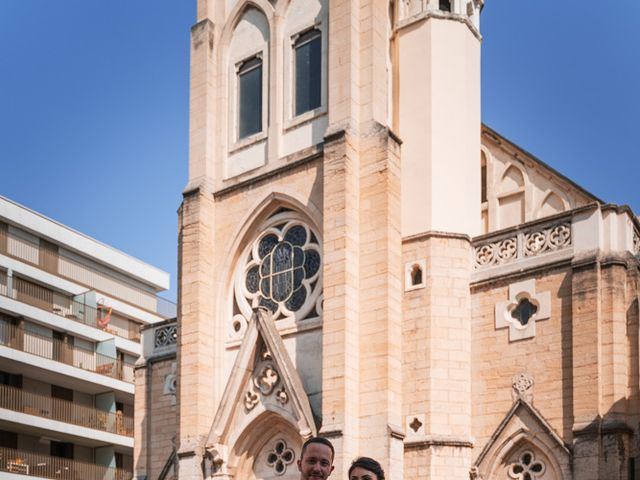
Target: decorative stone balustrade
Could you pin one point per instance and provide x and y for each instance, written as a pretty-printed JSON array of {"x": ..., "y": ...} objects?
[
  {"x": 533, "y": 241},
  {"x": 165, "y": 336}
]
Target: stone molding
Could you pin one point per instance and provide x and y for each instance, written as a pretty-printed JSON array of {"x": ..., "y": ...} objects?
[
  {"x": 261, "y": 336},
  {"x": 518, "y": 292},
  {"x": 523, "y": 428}
]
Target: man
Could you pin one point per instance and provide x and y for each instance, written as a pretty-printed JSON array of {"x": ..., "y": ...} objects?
[{"x": 316, "y": 459}]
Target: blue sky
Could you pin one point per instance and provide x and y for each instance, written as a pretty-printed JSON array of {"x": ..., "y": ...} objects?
[{"x": 94, "y": 106}]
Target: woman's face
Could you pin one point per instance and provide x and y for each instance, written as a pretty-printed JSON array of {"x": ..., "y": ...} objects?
[{"x": 360, "y": 473}]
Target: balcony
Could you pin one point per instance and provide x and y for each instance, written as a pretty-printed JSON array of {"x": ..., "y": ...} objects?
[
  {"x": 18, "y": 338},
  {"x": 51, "y": 259},
  {"x": 66, "y": 306},
  {"x": 45, "y": 466},
  {"x": 18, "y": 400}
]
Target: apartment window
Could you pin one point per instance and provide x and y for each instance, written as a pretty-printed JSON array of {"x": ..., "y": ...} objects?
[
  {"x": 308, "y": 71},
  {"x": 10, "y": 379},
  {"x": 250, "y": 97},
  {"x": 8, "y": 439},
  {"x": 61, "y": 449},
  {"x": 62, "y": 393}
]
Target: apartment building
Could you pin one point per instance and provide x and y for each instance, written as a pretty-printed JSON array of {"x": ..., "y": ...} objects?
[{"x": 71, "y": 309}]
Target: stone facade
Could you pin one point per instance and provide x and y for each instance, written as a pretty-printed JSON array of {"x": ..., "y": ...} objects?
[{"x": 382, "y": 269}]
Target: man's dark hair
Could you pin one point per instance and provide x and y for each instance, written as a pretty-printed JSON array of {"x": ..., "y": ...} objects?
[
  {"x": 320, "y": 440},
  {"x": 368, "y": 464}
]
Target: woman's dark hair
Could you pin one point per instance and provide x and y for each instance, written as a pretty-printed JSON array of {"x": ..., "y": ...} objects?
[{"x": 368, "y": 464}]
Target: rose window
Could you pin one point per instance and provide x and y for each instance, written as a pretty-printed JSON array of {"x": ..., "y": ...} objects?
[{"x": 281, "y": 272}]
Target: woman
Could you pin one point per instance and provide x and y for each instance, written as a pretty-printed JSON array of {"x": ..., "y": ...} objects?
[{"x": 365, "y": 468}]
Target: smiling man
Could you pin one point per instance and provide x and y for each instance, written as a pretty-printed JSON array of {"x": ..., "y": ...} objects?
[{"x": 316, "y": 459}]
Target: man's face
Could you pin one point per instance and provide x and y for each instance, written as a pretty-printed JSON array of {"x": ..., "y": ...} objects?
[{"x": 316, "y": 463}]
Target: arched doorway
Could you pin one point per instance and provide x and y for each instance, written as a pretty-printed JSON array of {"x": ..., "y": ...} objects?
[{"x": 268, "y": 450}]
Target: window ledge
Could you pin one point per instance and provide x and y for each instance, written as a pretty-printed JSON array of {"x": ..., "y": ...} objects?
[
  {"x": 305, "y": 117},
  {"x": 247, "y": 142}
]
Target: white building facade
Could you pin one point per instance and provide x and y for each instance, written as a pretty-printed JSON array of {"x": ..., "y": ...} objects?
[{"x": 71, "y": 309}]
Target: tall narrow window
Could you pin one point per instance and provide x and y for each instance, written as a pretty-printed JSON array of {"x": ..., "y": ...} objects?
[
  {"x": 308, "y": 71},
  {"x": 483, "y": 183},
  {"x": 445, "y": 5},
  {"x": 250, "y": 97}
]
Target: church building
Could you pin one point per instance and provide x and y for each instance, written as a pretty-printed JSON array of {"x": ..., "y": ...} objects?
[{"x": 361, "y": 258}]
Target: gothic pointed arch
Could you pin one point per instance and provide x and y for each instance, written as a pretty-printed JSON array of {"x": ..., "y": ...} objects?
[
  {"x": 274, "y": 261},
  {"x": 524, "y": 446},
  {"x": 552, "y": 203},
  {"x": 264, "y": 393},
  {"x": 512, "y": 179},
  {"x": 265, "y": 7}
]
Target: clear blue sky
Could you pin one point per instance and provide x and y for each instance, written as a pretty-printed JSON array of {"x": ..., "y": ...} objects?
[{"x": 94, "y": 106}]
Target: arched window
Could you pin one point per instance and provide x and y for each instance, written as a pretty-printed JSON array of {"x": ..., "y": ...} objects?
[
  {"x": 308, "y": 71},
  {"x": 248, "y": 57},
  {"x": 250, "y": 97}
]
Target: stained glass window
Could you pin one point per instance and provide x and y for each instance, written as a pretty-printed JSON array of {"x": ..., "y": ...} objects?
[{"x": 282, "y": 270}]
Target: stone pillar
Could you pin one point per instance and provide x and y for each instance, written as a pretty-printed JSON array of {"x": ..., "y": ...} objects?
[
  {"x": 200, "y": 358},
  {"x": 341, "y": 278},
  {"x": 380, "y": 300},
  {"x": 141, "y": 419},
  {"x": 586, "y": 375}
]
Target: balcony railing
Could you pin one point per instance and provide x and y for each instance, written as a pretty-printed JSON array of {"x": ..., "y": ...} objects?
[
  {"x": 46, "y": 255},
  {"x": 66, "y": 306},
  {"x": 19, "y": 400},
  {"x": 18, "y": 338},
  {"x": 45, "y": 466}
]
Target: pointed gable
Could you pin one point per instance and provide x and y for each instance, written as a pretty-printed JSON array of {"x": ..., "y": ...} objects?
[
  {"x": 523, "y": 431},
  {"x": 263, "y": 379}
]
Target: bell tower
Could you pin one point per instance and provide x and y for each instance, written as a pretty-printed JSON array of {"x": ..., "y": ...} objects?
[
  {"x": 436, "y": 60},
  {"x": 342, "y": 137},
  {"x": 437, "y": 115}
]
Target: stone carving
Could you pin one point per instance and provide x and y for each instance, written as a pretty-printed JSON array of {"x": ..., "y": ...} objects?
[
  {"x": 521, "y": 385},
  {"x": 554, "y": 238},
  {"x": 250, "y": 400},
  {"x": 527, "y": 467},
  {"x": 280, "y": 457},
  {"x": 474, "y": 474},
  {"x": 212, "y": 462},
  {"x": 170, "y": 384},
  {"x": 266, "y": 379},
  {"x": 536, "y": 241},
  {"x": 281, "y": 396},
  {"x": 165, "y": 336},
  {"x": 636, "y": 243},
  {"x": 502, "y": 251}
]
